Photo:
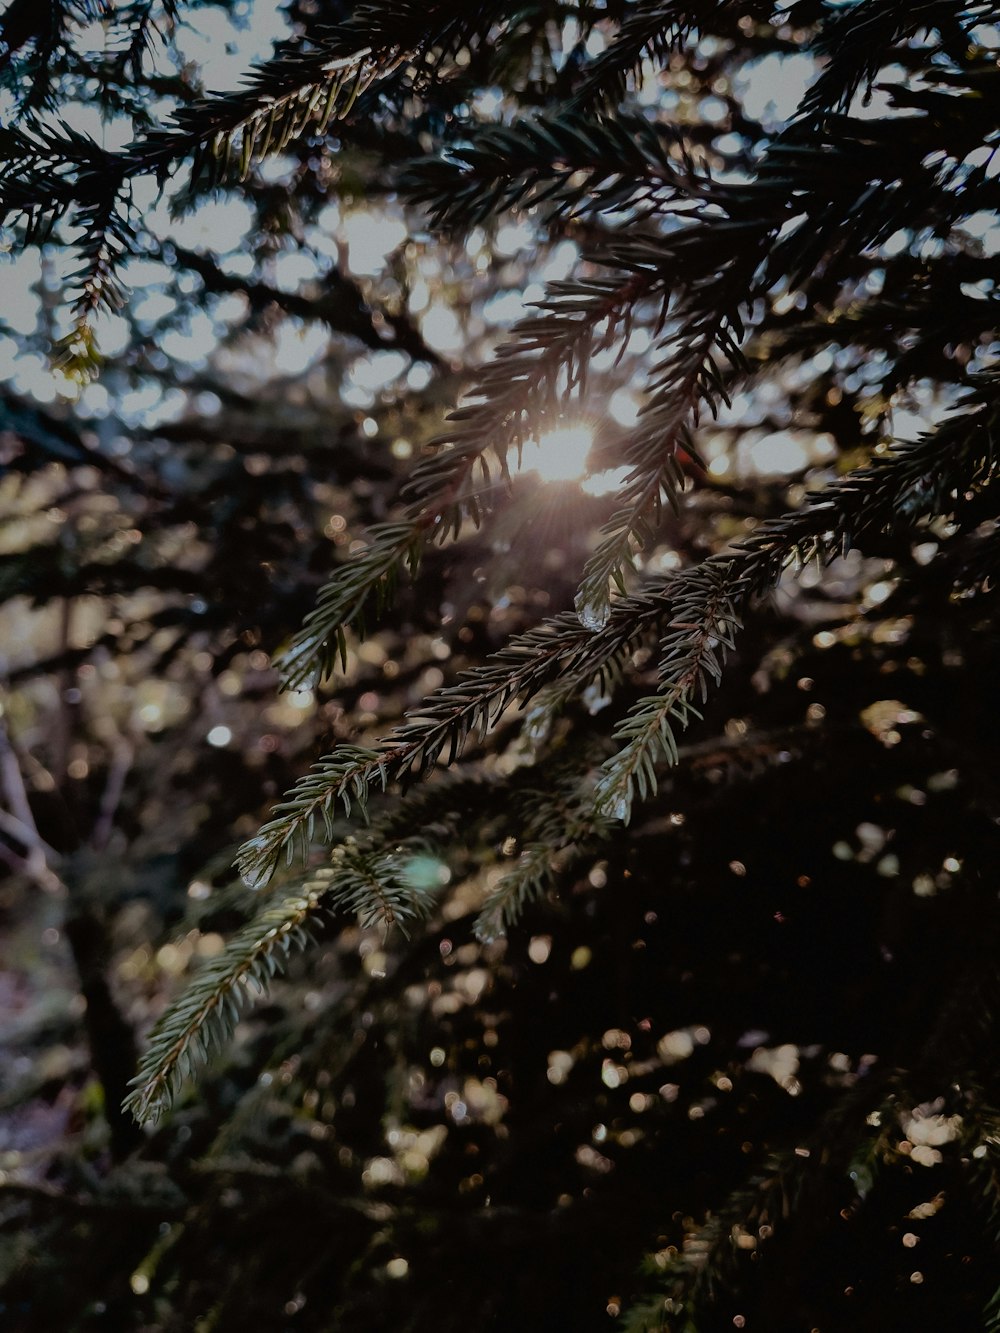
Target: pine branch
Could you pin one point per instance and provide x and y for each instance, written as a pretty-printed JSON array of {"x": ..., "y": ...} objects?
[
  {"x": 524, "y": 388},
  {"x": 704, "y": 623},
  {"x": 378, "y": 886},
  {"x": 716, "y": 266},
  {"x": 910, "y": 481},
  {"x": 49, "y": 174},
  {"x": 706, "y": 318},
  {"x": 345, "y": 776},
  {"x": 306, "y": 86},
  {"x": 388, "y": 875},
  {"x": 32, "y": 39},
  {"x": 445, "y": 720},
  {"x": 557, "y": 828},
  {"x": 537, "y": 867},
  {"x": 922, "y": 309},
  {"x": 856, "y": 41},
  {"x": 901, "y": 485},
  {"x": 138, "y": 26},
  {"x": 344, "y": 599},
  {"x": 516, "y": 394},
  {"x": 209, "y": 1009},
  {"x": 532, "y": 376},
  {"x": 563, "y": 163},
  {"x": 653, "y": 29}
]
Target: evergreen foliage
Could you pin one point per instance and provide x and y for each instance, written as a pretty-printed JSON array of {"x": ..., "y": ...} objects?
[{"x": 660, "y": 918}]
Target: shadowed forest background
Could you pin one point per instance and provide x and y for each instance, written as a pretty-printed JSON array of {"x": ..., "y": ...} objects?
[{"x": 499, "y": 809}]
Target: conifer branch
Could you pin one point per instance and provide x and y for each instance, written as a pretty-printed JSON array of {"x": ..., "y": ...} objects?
[
  {"x": 209, "y": 1009},
  {"x": 524, "y": 387},
  {"x": 844, "y": 255},
  {"x": 563, "y": 163},
  {"x": 653, "y": 28},
  {"x": 855, "y": 43},
  {"x": 703, "y": 626},
  {"x": 48, "y": 174},
  {"x": 901, "y": 485},
  {"x": 343, "y": 777},
  {"x": 375, "y": 884},
  {"x": 343, "y": 601},
  {"x": 537, "y": 867},
  {"x": 532, "y": 377},
  {"x": 713, "y": 289},
  {"x": 307, "y": 85},
  {"x": 910, "y": 481},
  {"x": 559, "y": 828},
  {"x": 445, "y": 721},
  {"x": 686, "y": 376}
]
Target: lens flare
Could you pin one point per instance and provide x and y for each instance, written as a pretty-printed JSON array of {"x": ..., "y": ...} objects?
[{"x": 560, "y": 454}]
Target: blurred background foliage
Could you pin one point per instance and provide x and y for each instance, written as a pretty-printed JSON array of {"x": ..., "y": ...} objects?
[{"x": 734, "y": 1066}]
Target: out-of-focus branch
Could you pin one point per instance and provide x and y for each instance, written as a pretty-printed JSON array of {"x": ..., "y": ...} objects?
[
  {"x": 28, "y": 836},
  {"x": 118, "y": 770},
  {"x": 19, "y": 821},
  {"x": 109, "y": 1035}
]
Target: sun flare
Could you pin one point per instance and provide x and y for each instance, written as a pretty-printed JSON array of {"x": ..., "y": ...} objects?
[{"x": 560, "y": 454}]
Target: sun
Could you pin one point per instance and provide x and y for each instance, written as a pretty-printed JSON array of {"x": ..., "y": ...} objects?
[{"x": 560, "y": 454}]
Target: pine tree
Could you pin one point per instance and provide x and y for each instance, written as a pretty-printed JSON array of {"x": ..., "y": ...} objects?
[{"x": 644, "y": 904}]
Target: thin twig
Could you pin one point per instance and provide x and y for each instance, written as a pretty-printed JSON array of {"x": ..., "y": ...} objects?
[
  {"x": 28, "y": 837},
  {"x": 12, "y": 781},
  {"x": 114, "y": 787}
]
